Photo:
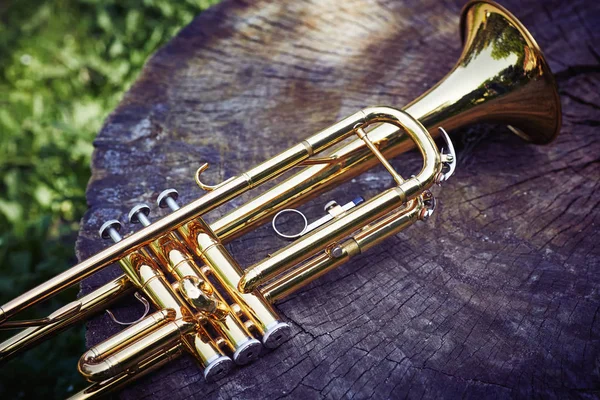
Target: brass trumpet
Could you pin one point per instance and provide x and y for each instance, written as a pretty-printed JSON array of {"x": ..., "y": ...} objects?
[{"x": 216, "y": 311}]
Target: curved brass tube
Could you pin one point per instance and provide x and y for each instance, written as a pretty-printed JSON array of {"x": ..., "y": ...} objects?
[
  {"x": 145, "y": 366},
  {"x": 365, "y": 213},
  {"x": 89, "y": 304},
  {"x": 113, "y": 356},
  {"x": 299, "y": 277}
]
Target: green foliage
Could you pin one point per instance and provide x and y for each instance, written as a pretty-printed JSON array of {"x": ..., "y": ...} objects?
[{"x": 64, "y": 65}]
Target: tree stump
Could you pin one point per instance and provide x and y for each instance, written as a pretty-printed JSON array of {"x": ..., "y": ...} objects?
[{"x": 497, "y": 295}]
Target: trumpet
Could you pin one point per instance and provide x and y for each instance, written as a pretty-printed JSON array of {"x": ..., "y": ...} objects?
[{"x": 204, "y": 303}]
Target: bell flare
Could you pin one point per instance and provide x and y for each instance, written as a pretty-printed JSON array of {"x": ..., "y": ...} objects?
[
  {"x": 501, "y": 76},
  {"x": 534, "y": 106}
]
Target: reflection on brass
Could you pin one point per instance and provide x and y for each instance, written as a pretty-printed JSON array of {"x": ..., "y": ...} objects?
[{"x": 214, "y": 310}]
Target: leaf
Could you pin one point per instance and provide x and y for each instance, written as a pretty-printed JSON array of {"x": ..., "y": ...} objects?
[
  {"x": 104, "y": 21},
  {"x": 132, "y": 22},
  {"x": 8, "y": 122},
  {"x": 12, "y": 210},
  {"x": 43, "y": 195}
]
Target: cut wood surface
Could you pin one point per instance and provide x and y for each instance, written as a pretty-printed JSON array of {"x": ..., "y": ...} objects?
[{"x": 496, "y": 296}]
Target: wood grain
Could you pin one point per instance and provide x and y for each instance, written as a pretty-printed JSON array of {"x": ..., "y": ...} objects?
[{"x": 497, "y": 296}]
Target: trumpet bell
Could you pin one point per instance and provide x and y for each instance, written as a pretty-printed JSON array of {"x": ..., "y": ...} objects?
[{"x": 501, "y": 76}]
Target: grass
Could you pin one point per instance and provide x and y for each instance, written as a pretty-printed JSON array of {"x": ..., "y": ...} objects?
[{"x": 64, "y": 65}]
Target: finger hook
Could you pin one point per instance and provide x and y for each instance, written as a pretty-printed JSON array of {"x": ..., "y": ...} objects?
[
  {"x": 142, "y": 300},
  {"x": 202, "y": 185}
]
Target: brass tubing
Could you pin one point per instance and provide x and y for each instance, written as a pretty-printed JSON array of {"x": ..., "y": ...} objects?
[
  {"x": 227, "y": 191},
  {"x": 295, "y": 279},
  {"x": 423, "y": 141},
  {"x": 165, "y": 336},
  {"x": 337, "y": 132},
  {"x": 529, "y": 103},
  {"x": 388, "y": 226},
  {"x": 319, "y": 239},
  {"x": 128, "y": 350},
  {"x": 129, "y": 244},
  {"x": 180, "y": 265},
  {"x": 353, "y": 159},
  {"x": 253, "y": 306},
  {"x": 361, "y": 215},
  {"x": 96, "y": 363},
  {"x": 155, "y": 285},
  {"x": 91, "y": 303},
  {"x": 228, "y": 273},
  {"x": 291, "y": 281},
  {"x": 150, "y": 363}
]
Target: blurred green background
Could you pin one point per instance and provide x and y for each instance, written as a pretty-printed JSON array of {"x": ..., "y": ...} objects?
[{"x": 64, "y": 65}]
